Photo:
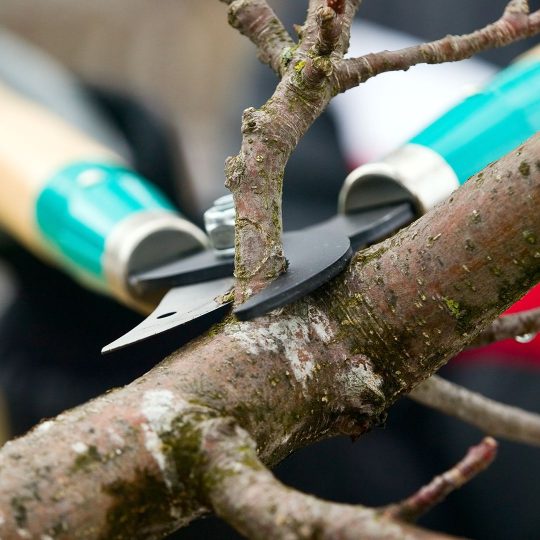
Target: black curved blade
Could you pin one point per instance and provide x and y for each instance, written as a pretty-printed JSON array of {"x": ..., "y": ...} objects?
[
  {"x": 201, "y": 266},
  {"x": 179, "y": 306},
  {"x": 370, "y": 226},
  {"x": 315, "y": 256},
  {"x": 362, "y": 228}
]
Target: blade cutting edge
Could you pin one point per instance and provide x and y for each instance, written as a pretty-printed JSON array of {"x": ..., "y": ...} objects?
[{"x": 178, "y": 307}]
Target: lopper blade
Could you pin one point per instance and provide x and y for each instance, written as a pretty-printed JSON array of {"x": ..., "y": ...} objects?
[
  {"x": 178, "y": 307},
  {"x": 318, "y": 253},
  {"x": 315, "y": 255},
  {"x": 373, "y": 225},
  {"x": 201, "y": 266}
]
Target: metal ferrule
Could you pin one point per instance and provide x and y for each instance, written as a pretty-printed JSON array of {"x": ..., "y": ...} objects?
[
  {"x": 143, "y": 240},
  {"x": 413, "y": 173}
]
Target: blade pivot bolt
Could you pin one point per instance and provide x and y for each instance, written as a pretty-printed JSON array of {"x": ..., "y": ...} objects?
[{"x": 219, "y": 225}]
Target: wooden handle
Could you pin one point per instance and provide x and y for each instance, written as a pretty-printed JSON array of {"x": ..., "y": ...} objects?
[
  {"x": 34, "y": 145},
  {"x": 71, "y": 200}
]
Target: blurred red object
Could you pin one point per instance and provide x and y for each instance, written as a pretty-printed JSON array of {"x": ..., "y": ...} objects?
[{"x": 510, "y": 351}]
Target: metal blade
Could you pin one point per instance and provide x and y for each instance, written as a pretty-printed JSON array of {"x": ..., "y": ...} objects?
[
  {"x": 362, "y": 228},
  {"x": 315, "y": 255},
  {"x": 178, "y": 307},
  {"x": 369, "y": 226},
  {"x": 201, "y": 266}
]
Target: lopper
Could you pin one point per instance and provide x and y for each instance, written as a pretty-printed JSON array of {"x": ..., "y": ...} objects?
[
  {"x": 378, "y": 198},
  {"x": 77, "y": 204}
]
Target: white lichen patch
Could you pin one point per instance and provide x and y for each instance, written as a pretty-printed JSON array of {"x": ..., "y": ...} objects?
[
  {"x": 153, "y": 444},
  {"x": 289, "y": 336},
  {"x": 160, "y": 408},
  {"x": 23, "y": 533},
  {"x": 321, "y": 325},
  {"x": 2, "y": 519},
  {"x": 46, "y": 537},
  {"x": 115, "y": 437},
  {"x": 79, "y": 447},
  {"x": 360, "y": 378},
  {"x": 44, "y": 426}
]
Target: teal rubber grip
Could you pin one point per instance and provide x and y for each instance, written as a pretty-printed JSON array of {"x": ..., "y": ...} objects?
[
  {"x": 490, "y": 123},
  {"x": 81, "y": 205}
]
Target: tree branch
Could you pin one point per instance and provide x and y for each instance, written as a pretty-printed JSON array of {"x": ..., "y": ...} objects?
[
  {"x": 488, "y": 415},
  {"x": 249, "y": 497},
  {"x": 329, "y": 24},
  {"x": 509, "y": 326},
  {"x": 344, "y": 10},
  {"x": 514, "y": 24},
  {"x": 478, "y": 458},
  {"x": 256, "y": 20},
  {"x": 129, "y": 463}
]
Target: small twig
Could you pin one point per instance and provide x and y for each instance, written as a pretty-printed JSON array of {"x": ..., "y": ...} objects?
[
  {"x": 478, "y": 458},
  {"x": 497, "y": 419},
  {"x": 517, "y": 6},
  {"x": 246, "y": 494},
  {"x": 510, "y": 326},
  {"x": 515, "y": 24},
  {"x": 256, "y": 20},
  {"x": 329, "y": 23},
  {"x": 337, "y": 5}
]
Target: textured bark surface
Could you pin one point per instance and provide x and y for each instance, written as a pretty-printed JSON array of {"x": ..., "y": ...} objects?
[
  {"x": 132, "y": 464},
  {"x": 194, "y": 434},
  {"x": 497, "y": 419},
  {"x": 515, "y": 23}
]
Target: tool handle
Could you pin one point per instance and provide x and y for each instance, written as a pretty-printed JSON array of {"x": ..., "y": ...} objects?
[
  {"x": 74, "y": 202},
  {"x": 491, "y": 122},
  {"x": 481, "y": 129}
]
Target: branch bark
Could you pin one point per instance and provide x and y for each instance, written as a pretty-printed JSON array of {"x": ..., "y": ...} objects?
[
  {"x": 256, "y": 20},
  {"x": 132, "y": 463},
  {"x": 509, "y": 326},
  {"x": 247, "y": 495},
  {"x": 515, "y": 24},
  {"x": 488, "y": 415},
  {"x": 270, "y": 134},
  {"x": 478, "y": 458}
]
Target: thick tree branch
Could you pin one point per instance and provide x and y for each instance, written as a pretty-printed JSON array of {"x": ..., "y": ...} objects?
[
  {"x": 510, "y": 326},
  {"x": 249, "y": 497},
  {"x": 478, "y": 458},
  {"x": 129, "y": 463},
  {"x": 488, "y": 415},
  {"x": 257, "y": 20},
  {"x": 514, "y": 24}
]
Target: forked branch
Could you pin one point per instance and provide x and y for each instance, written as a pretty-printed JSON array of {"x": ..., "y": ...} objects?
[{"x": 246, "y": 494}]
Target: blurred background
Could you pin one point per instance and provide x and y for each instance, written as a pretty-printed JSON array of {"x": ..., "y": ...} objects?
[{"x": 167, "y": 82}]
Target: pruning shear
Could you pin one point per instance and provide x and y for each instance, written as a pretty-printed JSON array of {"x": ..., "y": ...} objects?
[
  {"x": 375, "y": 201},
  {"x": 78, "y": 205}
]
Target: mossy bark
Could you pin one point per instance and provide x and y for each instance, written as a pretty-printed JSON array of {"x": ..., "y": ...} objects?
[{"x": 331, "y": 363}]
